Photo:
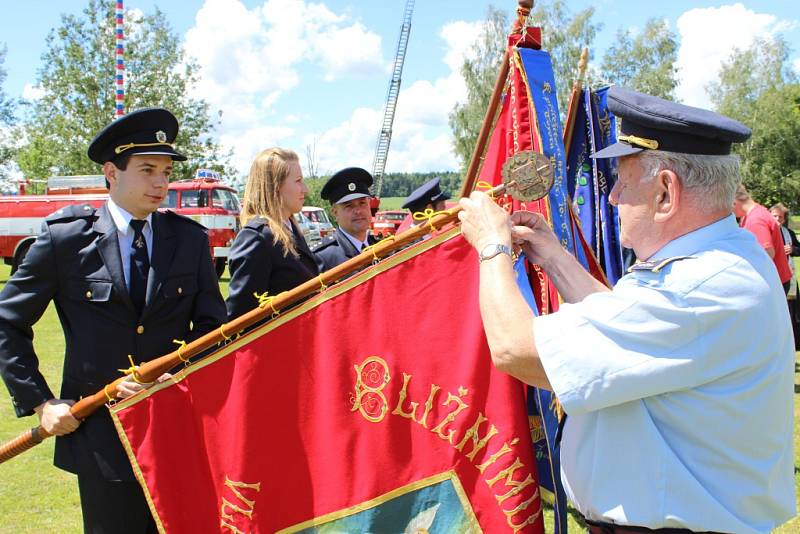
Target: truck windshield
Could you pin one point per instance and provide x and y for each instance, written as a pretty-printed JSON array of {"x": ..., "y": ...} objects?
[
  {"x": 194, "y": 198},
  {"x": 317, "y": 216},
  {"x": 222, "y": 198}
]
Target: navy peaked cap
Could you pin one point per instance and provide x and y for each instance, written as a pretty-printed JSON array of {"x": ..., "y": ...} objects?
[
  {"x": 150, "y": 131},
  {"x": 346, "y": 185},
  {"x": 427, "y": 193},
  {"x": 652, "y": 123}
]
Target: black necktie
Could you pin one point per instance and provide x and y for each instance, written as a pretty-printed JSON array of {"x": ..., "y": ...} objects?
[{"x": 140, "y": 265}]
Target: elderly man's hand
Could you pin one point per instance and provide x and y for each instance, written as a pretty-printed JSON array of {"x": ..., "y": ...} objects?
[
  {"x": 483, "y": 222},
  {"x": 537, "y": 240}
]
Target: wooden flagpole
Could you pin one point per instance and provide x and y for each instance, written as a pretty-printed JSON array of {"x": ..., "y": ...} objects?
[
  {"x": 148, "y": 372},
  {"x": 523, "y": 10},
  {"x": 572, "y": 110}
]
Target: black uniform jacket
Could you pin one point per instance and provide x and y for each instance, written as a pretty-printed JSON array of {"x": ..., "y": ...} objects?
[
  {"x": 76, "y": 263},
  {"x": 336, "y": 249},
  {"x": 257, "y": 265}
]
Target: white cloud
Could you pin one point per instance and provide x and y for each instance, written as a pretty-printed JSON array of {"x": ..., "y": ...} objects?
[
  {"x": 459, "y": 38},
  {"x": 249, "y": 141},
  {"x": 421, "y": 139},
  {"x": 349, "y": 51},
  {"x": 708, "y": 36},
  {"x": 32, "y": 92},
  {"x": 249, "y": 58}
]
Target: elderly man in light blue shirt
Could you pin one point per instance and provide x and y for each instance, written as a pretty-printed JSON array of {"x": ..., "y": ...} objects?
[{"x": 678, "y": 383}]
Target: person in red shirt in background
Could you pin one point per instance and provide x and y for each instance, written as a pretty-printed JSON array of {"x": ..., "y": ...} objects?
[{"x": 755, "y": 218}]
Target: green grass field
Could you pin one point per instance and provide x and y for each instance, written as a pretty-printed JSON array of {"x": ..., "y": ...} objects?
[
  {"x": 37, "y": 498},
  {"x": 391, "y": 203}
]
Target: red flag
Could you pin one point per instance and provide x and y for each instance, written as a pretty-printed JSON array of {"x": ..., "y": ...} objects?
[{"x": 372, "y": 406}]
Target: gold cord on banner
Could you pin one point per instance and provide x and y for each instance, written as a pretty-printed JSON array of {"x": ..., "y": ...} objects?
[
  {"x": 371, "y": 248},
  {"x": 264, "y": 299},
  {"x": 482, "y": 184},
  {"x": 322, "y": 286},
  {"x": 428, "y": 215},
  {"x": 109, "y": 397},
  {"x": 131, "y": 372},
  {"x": 223, "y": 334},
  {"x": 181, "y": 344}
]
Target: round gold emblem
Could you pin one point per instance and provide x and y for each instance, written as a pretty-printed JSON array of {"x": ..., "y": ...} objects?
[
  {"x": 528, "y": 175},
  {"x": 161, "y": 136}
]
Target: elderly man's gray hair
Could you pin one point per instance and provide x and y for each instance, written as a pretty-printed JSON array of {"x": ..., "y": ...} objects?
[{"x": 711, "y": 180}]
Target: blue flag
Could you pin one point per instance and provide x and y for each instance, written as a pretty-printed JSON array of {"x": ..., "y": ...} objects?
[
  {"x": 590, "y": 181},
  {"x": 543, "y": 419}
]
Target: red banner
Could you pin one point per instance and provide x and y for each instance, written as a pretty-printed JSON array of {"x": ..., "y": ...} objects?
[{"x": 373, "y": 406}]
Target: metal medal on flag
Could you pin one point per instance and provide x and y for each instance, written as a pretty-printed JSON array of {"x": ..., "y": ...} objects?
[{"x": 528, "y": 175}]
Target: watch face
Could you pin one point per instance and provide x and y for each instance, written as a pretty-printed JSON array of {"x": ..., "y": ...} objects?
[{"x": 528, "y": 175}]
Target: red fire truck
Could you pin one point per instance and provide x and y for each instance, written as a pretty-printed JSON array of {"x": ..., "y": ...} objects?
[{"x": 205, "y": 199}]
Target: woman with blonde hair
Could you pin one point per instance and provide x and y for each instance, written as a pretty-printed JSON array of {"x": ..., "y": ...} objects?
[{"x": 269, "y": 254}]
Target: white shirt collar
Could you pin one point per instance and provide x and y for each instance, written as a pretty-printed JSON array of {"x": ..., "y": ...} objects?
[
  {"x": 358, "y": 244},
  {"x": 122, "y": 219}
]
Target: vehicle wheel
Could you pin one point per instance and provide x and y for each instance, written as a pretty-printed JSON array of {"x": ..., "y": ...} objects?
[
  {"x": 219, "y": 265},
  {"x": 20, "y": 256}
]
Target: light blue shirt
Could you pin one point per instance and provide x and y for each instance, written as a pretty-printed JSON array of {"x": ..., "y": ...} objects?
[
  {"x": 679, "y": 388},
  {"x": 122, "y": 220}
]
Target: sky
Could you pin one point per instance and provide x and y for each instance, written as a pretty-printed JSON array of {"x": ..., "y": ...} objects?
[{"x": 298, "y": 73}]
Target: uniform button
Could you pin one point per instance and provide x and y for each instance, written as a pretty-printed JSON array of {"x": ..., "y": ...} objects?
[
  {"x": 88, "y": 294},
  {"x": 140, "y": 329},
  {"x": 180, "y": 290}
]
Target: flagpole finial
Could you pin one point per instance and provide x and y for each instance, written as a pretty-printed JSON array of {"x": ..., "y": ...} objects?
[
  {"x": 523, "y": 10},
  {"x": 584, "y": 61}
]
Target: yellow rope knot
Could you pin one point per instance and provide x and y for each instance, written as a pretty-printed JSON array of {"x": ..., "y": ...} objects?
[
  {"x": 428, "y": 215},
  {"x": 371, "y": 248},
  {"x": 227, "y": 337},
  {"x": 181, "y": 345},
  {"x": 322, "y": 286},
  {"x": 132, "y": 371},
  {"x": 482, "y": 184}
]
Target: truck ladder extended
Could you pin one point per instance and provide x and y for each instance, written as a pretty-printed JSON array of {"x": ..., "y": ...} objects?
[{"x": 385, "y": 136}]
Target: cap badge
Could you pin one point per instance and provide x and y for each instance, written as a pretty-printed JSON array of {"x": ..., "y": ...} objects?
[
  {"x": 161, "y": 136},
  {"x": 351, "y": 186}
]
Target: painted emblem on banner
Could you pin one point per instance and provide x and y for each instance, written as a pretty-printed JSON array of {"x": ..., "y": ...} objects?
[
  {"x": 434, "y": 505},
  {"x": 528, "y": 175}
]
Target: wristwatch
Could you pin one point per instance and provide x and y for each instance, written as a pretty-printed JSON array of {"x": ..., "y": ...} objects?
[{"x": 490, "y": 251}]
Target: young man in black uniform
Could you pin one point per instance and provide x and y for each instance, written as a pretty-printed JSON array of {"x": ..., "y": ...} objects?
[
  {"x": 126, "y": 280},
  {"x": 348, "y": 193}
]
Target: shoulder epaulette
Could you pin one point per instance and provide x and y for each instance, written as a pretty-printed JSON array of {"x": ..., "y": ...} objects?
[
  {"x": 325, "y": 243},
  {"x": 655, "y": 266},
  {"x": 68, "y": 213},
  {"x": 184, "y": 218}
]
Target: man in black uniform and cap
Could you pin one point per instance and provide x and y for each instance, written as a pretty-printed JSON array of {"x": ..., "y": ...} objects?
[
  {"x": 348, "y": 193},
  {"x": 126, "y": 280},
  {"x": 427, "y": 196}
]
